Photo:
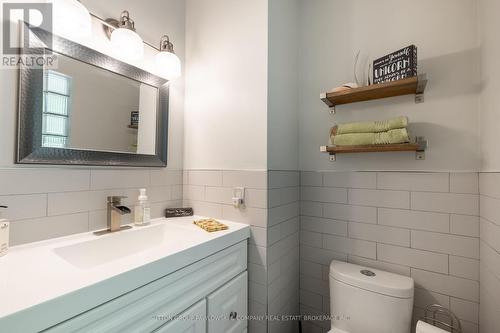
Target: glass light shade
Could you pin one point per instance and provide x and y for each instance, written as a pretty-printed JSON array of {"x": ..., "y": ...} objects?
[
  {"x": 71, "y": 19},
  {"x": 168, "y": 65},
  {"x": 127, "y": 44}
]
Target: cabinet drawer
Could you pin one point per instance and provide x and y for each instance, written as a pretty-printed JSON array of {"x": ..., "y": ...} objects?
[
  {"x": 190, "y": 321},
  {"x": 228, "y": 307}
]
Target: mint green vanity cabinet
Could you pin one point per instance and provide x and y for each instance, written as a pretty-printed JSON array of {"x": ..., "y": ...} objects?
[{"x": 218, "y": 281}]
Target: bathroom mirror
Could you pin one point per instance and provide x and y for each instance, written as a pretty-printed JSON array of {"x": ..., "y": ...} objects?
[{"x": 90, "y": 109}]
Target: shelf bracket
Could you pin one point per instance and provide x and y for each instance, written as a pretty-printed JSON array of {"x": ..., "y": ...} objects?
[
  {"x": 324, "y": 149},
  {"x": 421, "y": 84},
  {"x": 323, "y": 97},
  {"x": 422, "y": 147},
  {"x": 419, "y": 98}
]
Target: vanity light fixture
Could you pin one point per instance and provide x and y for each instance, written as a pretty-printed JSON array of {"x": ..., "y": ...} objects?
[
  {"x": 71, "y": 19},
  {"x": 167, "y": 62},
  {"x": 126, "y": 42},
  {"x": 130, "y": 46}
]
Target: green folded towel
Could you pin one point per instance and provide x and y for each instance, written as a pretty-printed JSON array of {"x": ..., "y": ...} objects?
[
  {"x": 373, "y": 126},
  {"x": 399, "y": 135}
]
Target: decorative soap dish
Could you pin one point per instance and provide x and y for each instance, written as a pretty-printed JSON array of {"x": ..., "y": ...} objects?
[{"x": 211, "y": 225}]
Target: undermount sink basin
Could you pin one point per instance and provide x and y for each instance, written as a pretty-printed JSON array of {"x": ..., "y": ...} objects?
[{"x": 112, "y": 247}]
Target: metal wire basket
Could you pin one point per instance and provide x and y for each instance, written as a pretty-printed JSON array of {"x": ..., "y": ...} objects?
[{"x": 431, "y": 317}]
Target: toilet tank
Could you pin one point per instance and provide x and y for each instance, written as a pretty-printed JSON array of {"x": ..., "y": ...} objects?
[{"x": 369, "y": 300}]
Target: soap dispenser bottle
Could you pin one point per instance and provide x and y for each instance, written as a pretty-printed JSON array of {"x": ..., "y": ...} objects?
[
  {"x": 4, "y": 235},
  {"x": 142, "y": 215}
]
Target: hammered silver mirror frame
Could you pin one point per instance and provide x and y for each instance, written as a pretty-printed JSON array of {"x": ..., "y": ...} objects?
[{"x": 29, "y": 141}]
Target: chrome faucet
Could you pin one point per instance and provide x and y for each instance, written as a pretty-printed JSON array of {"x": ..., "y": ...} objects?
[{"x": 115, "y": 211}]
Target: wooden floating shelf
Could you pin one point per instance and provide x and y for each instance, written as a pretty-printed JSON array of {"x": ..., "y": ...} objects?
[
  {"x": 410, "y": 86},
  {"x": 133, "y": 126},
  {"x": 418, "y": 147},
  {"x": 371, "y": 148}
]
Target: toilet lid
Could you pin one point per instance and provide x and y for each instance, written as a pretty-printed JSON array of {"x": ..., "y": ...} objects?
[{"x": 374, "y": 280}]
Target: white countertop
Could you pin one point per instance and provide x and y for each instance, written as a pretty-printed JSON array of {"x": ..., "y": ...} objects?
[{"x": 36, "y": 273}]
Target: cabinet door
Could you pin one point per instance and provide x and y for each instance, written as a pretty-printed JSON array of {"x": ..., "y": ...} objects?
[
  {"x": 190, "y": 321},
  {"x": 227, "y": 307}
]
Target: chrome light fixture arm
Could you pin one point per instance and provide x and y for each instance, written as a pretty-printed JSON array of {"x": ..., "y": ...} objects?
[
  {"x": 125, "y": 21},
  {"x": 166, "y": 44},
  {"x": 111, "y": 24}
]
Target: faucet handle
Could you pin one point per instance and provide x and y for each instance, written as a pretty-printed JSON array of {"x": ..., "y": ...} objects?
[{"x": 116, "y": 199}]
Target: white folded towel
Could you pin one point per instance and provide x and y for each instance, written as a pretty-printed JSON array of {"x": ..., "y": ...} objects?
[{"x": 423, "y": 327}]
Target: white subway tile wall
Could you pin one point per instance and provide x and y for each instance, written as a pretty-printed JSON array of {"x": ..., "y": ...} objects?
[
  {"x": 423, "y": 225},
  {"x": 283, "y": 249},
  {"x": 489, "y": 309},
  {"x": 442, "y": 229},
  {"x": 49, "y": 203},
  {"x": 272, "y": 211},
  {"x": 210, "y": 193}
]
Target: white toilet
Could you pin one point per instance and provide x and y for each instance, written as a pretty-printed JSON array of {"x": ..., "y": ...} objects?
[{"x": 365, "y": 300}]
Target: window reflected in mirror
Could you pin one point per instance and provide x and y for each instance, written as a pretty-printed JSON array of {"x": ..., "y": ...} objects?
[
  {"x": 90, "y": 108},
  {"x": 56, "y": 110}
]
